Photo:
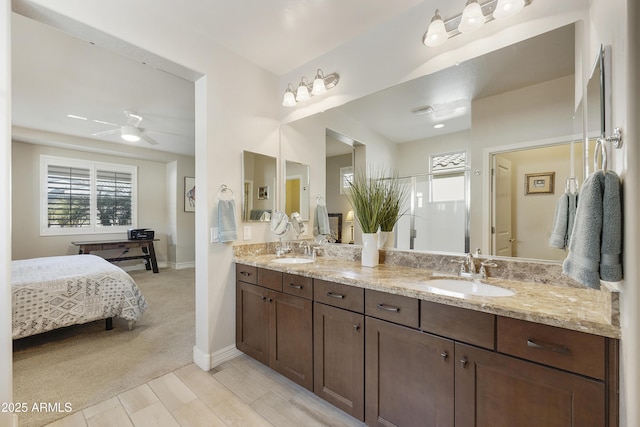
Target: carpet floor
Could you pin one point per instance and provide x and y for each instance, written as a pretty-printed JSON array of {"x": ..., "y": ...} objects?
[{"x": 82, "y": 365}]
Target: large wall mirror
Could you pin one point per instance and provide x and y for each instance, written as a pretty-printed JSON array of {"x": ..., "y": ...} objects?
[
  {"x": 517, "y": 104},
  {"x": 296, "y": 185},
  {"x": 259, "y": 186}
]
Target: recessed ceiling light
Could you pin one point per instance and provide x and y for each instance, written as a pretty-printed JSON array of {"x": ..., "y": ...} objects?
[
  {"x": 73, "y": 116},
  {"x": 438, "y": 125}
]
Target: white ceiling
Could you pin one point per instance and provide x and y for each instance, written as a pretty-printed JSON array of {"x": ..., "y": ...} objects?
[{"x": 55, "y": 74}]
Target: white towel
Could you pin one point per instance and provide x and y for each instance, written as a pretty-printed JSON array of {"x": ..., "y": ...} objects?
[
  {"x": 227, "y": 220},
  {"x": 321, "y": 226},
  {"x": 596, "y": 241}
]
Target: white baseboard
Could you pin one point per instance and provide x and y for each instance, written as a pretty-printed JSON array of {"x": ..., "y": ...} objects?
[
  {"x": 182, "y": 265},
  {"x": 208, "y": 361},
  {"x": 141, "y": 266}
]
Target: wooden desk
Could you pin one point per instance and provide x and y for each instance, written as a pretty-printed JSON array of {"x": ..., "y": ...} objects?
[{"x": 148, "y": 251}]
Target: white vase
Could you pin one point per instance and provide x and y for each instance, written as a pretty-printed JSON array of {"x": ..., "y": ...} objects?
[
  {"x": 387, "y": 239},
  {"x": 370, "y": 256}
]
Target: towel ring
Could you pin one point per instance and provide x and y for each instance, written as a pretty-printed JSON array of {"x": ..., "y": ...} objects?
[
  {"x": 601, "y": 147},
  {"x": 225, "y": 191}
]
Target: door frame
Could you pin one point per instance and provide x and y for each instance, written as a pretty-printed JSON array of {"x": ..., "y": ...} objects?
[{"x": 487, "y": 165}]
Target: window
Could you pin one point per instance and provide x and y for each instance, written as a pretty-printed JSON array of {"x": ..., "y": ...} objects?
[
  {"x": 449, "y": 178},
  {"x": 83, "y": 197}
]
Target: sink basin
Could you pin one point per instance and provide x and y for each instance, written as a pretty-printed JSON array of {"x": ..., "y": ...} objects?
[
  {"x": 293, "y": 260},
  {"x": 461, "y": 288}
]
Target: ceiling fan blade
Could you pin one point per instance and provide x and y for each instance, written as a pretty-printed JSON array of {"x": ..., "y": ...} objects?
[
  {"x": 161, "y": 131},
  {"x": 148, "y": 139},
  {"x": 106, "y": 132}
]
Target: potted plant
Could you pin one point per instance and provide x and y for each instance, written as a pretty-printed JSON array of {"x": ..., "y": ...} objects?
[
  {"x": 395, "y": 195},
  {"x": 367, "y": 192}
]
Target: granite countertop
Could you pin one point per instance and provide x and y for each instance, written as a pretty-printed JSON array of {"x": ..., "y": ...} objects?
[{"x": 580, "y": 309}]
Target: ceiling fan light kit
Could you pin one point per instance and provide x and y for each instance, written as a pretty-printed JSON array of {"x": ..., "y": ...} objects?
[
  {"x": 306, "y": 90},
  {"x": 130, "y": 133},
  {"x": 474, "y": 16}
]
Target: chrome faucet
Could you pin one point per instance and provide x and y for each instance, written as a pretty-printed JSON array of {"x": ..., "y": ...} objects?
[
  {"x": 468, "y": 267},
  {"x": 307, "y": 247}
]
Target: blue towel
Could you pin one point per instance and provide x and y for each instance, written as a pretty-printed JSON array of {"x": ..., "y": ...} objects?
[
  {"x": 227, "y": 220},
  {"x": 322, "y": 226},
  {"x": 558, "y": 237},
  {"x": 596, "y": 242}
]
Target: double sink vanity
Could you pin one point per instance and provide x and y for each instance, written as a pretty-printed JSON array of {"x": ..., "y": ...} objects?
[{"x": 408, "y": 343}]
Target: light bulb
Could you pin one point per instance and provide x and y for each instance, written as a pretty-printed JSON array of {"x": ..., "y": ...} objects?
[
  {"x": 318, "y": 85},
  {"x": 289, "y": 99},
  {"x": 472, "y": 17},
  {"x": 302, "y": 94},
  {"x": 506, "y": 8},
  {"x": 436, "y": 33},
  {"x": 130, "y": 133}
]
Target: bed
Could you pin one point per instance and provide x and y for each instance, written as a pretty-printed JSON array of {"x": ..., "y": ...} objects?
[{"x": 54, "y": 292}]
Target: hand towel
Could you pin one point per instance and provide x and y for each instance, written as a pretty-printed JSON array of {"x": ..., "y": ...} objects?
[
  {"x": 610, "y": 253},
  {"x": 573, "y": 205},
  {"x": 321, "y": 225},
  {"x": 227, "y": 220},
  {"x": 596, "y": 241},
  {"x": 558, "y": 238}
]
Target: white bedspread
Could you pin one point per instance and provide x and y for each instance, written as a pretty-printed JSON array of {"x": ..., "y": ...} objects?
[{"x": 53, "y": 292}]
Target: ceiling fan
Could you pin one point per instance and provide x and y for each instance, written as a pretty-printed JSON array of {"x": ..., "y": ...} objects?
[{"x": 131, "y": 131}]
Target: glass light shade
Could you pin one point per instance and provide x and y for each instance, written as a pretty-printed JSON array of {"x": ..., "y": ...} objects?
[
  {"x": 506, "y": 8},
  {"x": 318, "y": 86},
  {"x": 436, "y": 33},
  {"x": 289, "y": 99},
  {"x": 349, "y": 217},
  {"x": 472, "y": 18},
  {"x": 130, "y": 133},
  {"x": 302, "y": 93}
]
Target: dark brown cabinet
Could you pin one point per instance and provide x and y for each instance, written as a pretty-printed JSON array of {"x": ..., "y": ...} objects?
[
  {"x": 273, "y": 327},
  {"x": 409, "y": 377},
  {"x": 339, "y": 358},
  {"x": 392, "y": 360},
  {"x": 497, "y": 390}
]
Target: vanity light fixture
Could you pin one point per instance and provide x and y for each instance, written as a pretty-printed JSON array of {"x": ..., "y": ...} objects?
[
  {"x": 306, "y": 90},
  {"x": 472, "y": 18}
]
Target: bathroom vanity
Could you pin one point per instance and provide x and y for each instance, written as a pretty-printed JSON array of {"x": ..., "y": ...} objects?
[{"x": 383, "y": 346}]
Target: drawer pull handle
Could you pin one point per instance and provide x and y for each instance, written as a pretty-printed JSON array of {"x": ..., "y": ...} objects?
[
  {"x": 388, "y": 308},
  {"x": 334, "y": 295},
  {"x": 356, "y": 328},
  {"x": 295, "y": 286},
  {"x": 270, "y": 299},
  {"x": 463, "y": 363},
  {"x": 561, "y": 350},
  {"x": 263, "y": 297},
  {"x": 444, "y": 356},
  {"x": 245, "y": 274}
]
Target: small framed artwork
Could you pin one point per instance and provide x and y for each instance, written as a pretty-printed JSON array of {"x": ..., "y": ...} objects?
[
  {"x": 346, "y": 177},
  {"x": 189, "y": 194},
  {"x": 263, "y": 192},
  {"x": 539, "y": 183},
  {"x": 335, "y": 225}
]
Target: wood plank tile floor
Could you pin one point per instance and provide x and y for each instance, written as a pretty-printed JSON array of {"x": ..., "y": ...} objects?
[{"x": 241, "y": 392}]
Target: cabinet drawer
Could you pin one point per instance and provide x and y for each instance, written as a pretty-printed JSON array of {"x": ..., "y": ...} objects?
[
  {"x": 573, "y": 351},
  {"x": 460, "y": 324},
  {"x": 297, "y": 285},
  {"x": 247, "y": 273},
  {"x": 270, "y": 279},
  {"x": 337, "y": 295},
  {"x": 394, "y": 308}
]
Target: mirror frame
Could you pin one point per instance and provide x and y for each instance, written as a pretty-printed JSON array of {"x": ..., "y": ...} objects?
[{"x": 271, "y": 187}]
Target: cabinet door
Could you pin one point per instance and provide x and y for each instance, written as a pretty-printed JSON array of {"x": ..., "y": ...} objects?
[
  {"x": 338, "y": 337},
  {"x": 291, "y": 337},
  {"x": 497, "y": 390},
  {"x": 252, "y": 321},
  {"x": 408, "y": 377}
]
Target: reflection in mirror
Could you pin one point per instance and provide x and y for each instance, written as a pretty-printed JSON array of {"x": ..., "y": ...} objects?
[
  {"x": 508, "y": 99},
  {"x": 259, "y": 180},
  {"x": 279, "y": 224},
  {"x": 297, "y": 197},
  {"x": 598, "y": 107},
  {"x": 297, "y": 224}
]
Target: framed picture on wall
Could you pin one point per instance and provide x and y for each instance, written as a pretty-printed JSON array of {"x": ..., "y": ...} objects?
[
  {"x": 189, "y": 194},
  {"x": 335, "y": 224},
  {"x": 263, "y": 192},
  {"x": 539, "y": 183}
]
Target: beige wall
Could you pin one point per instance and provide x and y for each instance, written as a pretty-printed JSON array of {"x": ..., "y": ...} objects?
[
  {"x": 336, "y": 202},
  {"x": 155, "y": 209}
]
